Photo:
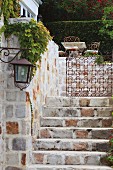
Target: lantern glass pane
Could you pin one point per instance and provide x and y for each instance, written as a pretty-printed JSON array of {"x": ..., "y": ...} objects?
[{"x": 21, "y": 73}]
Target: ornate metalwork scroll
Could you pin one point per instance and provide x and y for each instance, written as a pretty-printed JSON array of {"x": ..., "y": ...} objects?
[
  {"x": 9, "y": 54},
  {"x": 86, "y": 78}
]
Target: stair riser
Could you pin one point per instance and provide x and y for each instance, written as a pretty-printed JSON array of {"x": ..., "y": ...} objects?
[
  {"x": 75, "y": 133},
  {"x": 77, "y": 112},
  {"x": 74, "y": 122},
  {"x": 67, "y": 159},
  {"x": 71, "y": 146},
  {"x": 79, "y": 102}
]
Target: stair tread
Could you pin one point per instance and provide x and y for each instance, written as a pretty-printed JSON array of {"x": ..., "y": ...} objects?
[
  {"x": 86, "y": 128},
  {"x": 80, "y": 118},
  {"x": 90, "y": 167},
  {"x": 77, "y": 140},
  {"x": 76, "y": 107},
  {"x": 70, "y": 152}
]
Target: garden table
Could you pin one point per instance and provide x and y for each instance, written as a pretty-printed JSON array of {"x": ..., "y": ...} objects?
[{"x": 74, "y": 46}]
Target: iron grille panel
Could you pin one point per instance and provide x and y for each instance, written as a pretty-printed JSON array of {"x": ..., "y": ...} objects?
[{"x": 85, "y": 78}]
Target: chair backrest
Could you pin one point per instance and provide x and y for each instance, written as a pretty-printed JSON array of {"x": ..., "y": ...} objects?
[
  {"x": 71, "y": 39},
  {"x": 94, "y": 46}
]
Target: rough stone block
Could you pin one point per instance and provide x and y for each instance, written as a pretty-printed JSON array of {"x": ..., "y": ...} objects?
[
  {"x": 54, "y": 159},
  {"x": 62, "y": 133},
  {"x": 38, "y": 158},
  {"x": 65, "y": 146},
  {"x": 20, "y": 111},
  {"x": 87, "y": 112},
  {"x": 12, "y": 159},
  {"x": 10, "y": 81},
  {"x": 12, "y": 128},
  {"x": 81, "y": 134},
  {"x": 51, "y": 122},
  {"x": 80, "y": 146},
  {"x": 58, "y": 102},
  {"x": 102, "y": 134},
  {"x": 19, "y": 144},
  {"x": 44, "y": 133},
  {"x": 91, "y": 123},
  {"x": 72, "y": 160},
  {"x": 99, "y": 102},
  {"x": 104, "y": 112},
  {"x": 107, "y": 122},
  {"x": 92, "y": 160},
  {"x": 9, "y": 111},
  {"x": 21, "y": 96},
  {"x": 11, "y": 96},
  {"x": 23, "y": 159},
  {"x": 103, "y": 147},
  {"x": 84, "y": 102},
  {"x": 25, "y": 127},
  {"x": 71, "y": 122}
]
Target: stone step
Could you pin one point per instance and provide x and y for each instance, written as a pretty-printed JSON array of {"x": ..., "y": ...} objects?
[
  {"x": 76, "y": 122},
  {"x": 68, "y": 167},
  {"x": 72, "y": 144},
  {"x": 77, "y": 111},
  {"x": 67, "y": 157},
  {"x": 74, "y": 133},
  {"x": 79, "y": 101}
]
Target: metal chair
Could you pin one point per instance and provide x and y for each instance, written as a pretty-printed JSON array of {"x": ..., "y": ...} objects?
[
  {"x": 71, "y": 39},
  {"x": 93, "y": 47}
]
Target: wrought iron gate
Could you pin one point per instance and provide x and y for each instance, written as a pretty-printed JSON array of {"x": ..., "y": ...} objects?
[{"x": 86, "y": 78}]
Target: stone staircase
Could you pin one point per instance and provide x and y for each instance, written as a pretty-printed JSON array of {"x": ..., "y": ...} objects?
[{"x": 73, "y": 134}]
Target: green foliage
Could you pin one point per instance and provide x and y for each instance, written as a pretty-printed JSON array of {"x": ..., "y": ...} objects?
[
  {"x": 66, "y": 10},
  {"x": 32, "y": 35},
  {"x": 99, "y": 59},
  {"x": 9, "y": 9},
  {"x": 107, "y": 27},
  {"x": 110, "y": 153},
  {"x": 87, "y": 31}
]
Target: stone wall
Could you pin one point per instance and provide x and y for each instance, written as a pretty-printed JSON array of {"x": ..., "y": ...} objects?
[
  {"x": 62, "y": 76},
  {"x": 45, "y": 82},
  {"x": 18, "y": 125},
  {"x": 15, "y": 120}
]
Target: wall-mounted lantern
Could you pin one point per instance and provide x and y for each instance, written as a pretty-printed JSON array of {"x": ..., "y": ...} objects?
[
  {"x": 22, "y": 72},
  {"x": 22, "y": 67}
]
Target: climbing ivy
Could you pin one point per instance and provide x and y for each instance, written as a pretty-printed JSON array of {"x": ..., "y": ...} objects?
[
  {"x": 33, "y": 36},
  {"x": 9, "y": 9}
]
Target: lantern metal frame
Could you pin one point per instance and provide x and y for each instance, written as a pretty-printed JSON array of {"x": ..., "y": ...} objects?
[
  {"x": 7, "y": 52},
  {"x": 29, "y": 66}
]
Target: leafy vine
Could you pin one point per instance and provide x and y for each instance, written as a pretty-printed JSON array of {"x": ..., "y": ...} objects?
[
  {"x": 9, "y": 9},
  {"x": 32, "y": 35}
]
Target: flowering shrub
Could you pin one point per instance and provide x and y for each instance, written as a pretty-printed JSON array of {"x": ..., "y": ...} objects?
[{"x": 91, "y": 9}]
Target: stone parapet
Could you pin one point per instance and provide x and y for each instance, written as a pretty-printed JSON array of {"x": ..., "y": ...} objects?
[{"x": 45, "y": 82}]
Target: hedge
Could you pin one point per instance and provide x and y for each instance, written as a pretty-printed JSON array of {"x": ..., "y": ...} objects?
[{"x": 87, "y": 31}]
